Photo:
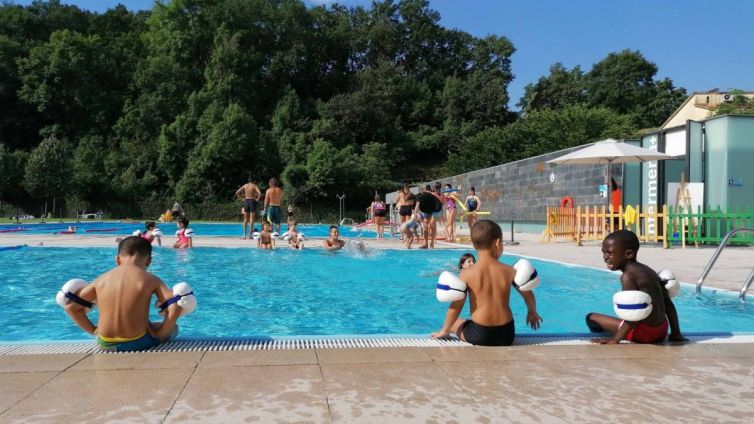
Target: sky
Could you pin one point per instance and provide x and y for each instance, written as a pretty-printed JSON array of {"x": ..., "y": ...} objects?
[{"x": 699, "y": 44}]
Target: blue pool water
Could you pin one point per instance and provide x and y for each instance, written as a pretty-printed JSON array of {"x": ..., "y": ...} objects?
[
  {"x": 201, "y": 229},
  {"x": 248, "y": 292}
]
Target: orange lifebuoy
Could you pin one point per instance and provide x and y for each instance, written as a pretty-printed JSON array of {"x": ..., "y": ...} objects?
[{"x": 566, "y": 202}]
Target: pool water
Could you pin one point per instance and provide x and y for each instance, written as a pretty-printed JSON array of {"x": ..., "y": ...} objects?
[
  {"x": 248, "y": 292},
  {"x": 101, "y": 228}
]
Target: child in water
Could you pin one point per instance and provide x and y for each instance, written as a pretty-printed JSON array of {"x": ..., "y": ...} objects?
[
  {"x": 467, "y": 261},
  {"x": 184, "y": 235},
  {"x": 266, "y": 241}
]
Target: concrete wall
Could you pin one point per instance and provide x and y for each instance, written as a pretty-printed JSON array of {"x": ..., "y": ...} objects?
[{"x": 522, "y": 190}]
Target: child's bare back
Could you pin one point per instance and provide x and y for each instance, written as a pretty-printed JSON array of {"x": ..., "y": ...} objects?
[{"x": 489, "y": 283}]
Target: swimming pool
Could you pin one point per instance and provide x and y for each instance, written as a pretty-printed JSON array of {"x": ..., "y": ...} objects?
[
  {"x": 105, "y": 228},
  {"x": 248, "y": 292}
]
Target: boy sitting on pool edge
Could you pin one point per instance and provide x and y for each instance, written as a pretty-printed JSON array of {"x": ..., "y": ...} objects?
[
  {"x": 489, "y": 285},
  {"x": 619, "y": 250},
  {"x": 123, "y": 296}
]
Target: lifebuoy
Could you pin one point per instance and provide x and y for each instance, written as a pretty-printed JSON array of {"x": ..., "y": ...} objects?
[{"x": 566, "y": 202}]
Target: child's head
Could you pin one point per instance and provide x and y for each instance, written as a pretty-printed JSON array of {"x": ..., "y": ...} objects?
[
  {"x": 438, "y": 187},
  {"x": 183, "y": 222},
  {"x": 472, "y": 191},
  {"x": 487, "y": 235},
  {"x": 466, "y": 261},
  {"x": 266, "y": 226},
  {"x": 428, "y": 188},
  {"x": 619, "y": 249},
  {"x": 376, "y": 197},
  {"x": 448, "y": 186},
  {"x": 334, "y": 231},
  {"x": 150, "y": 225},
  {"x": 135, "y": 250},
  {"x": 293, "y": 225}
]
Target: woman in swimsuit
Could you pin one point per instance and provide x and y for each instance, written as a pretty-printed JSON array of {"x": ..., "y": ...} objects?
[
  {"x": 472, "y": 205},
  {"x": 450, "y": 213},
  {"x": 378, "y": 212}
]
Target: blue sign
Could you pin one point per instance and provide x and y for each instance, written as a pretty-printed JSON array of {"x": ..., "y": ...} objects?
[{"x": 735, "y": 182}]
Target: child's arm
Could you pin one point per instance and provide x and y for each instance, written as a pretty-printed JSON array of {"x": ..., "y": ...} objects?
[
  {"x": 454, "y": 311},
  {"x": 672, "y": 315},
  {"x": 532, "y": 317},
  {"x": 164, "y": 330},
  {"x": 78, "y": 312}
]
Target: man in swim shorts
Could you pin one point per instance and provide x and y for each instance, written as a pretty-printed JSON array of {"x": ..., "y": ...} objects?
[
  {"x": 272, "y": 199},
  {"x": 333, "y": 242},
  {"x": 123, "y": 296},
  {"x": 619, "y": 251},
  {"x": 489, "y": 286},
  {"x": 426, "y": 206},
  {"x": 250, "y": 194}
]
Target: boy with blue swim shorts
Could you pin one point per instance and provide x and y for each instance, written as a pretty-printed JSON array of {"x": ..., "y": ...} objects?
[{"x": 123, "y": 296}]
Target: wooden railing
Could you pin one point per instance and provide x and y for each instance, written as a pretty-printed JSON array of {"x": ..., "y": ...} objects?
[{"x": 595, "y": 222}]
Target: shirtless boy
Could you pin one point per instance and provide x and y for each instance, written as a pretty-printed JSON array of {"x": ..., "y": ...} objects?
[
  {"x": 333, "y": 242},
  {"x": 489, "y": 286},
  {"x": 272, "y": 199},
  {"x": 250, "y": 194},
  {"x": 619, "y": 250},
  {"x": 266, "y": 241},
  {"x": 123, "y": 296}
]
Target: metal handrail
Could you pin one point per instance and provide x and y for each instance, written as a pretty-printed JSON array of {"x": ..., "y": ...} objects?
[
  {"x": 745, "y": 287},
  {"x": 344, "y": 220},
  {"x": 715, "y": 255}
]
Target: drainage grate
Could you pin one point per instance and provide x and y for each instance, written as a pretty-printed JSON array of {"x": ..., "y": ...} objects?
[{"x": 202, "y": 345}]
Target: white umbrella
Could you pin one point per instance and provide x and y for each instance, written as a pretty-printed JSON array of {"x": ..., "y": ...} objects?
[{"x": 608, "y": 152}]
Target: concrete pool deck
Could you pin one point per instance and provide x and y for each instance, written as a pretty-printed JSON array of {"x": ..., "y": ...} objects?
[{"x": 657, "y": 383}]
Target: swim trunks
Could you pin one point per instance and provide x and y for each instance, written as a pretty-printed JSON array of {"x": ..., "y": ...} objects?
[
  {"x": 405, "y": 210},
  {"x": 123, "y": 344},
  {"x": 482, "y": 335},
  {"x": 471, "y": 204},
  {"x": 249, "y": 205},
  {"x": 428, "y": 203},
  {"x": 645, "y": 333},
  {"x": 274, "y": 214}
]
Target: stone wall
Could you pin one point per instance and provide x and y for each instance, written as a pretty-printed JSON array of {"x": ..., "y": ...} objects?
[{"x": 522, "y": 190}]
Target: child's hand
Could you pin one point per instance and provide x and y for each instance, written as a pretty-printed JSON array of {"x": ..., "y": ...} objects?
[
  {"x": 442, "y": 334},
  {"x": 533, "y": 319}
]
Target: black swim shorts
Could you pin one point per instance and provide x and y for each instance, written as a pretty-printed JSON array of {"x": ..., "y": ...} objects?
[
  {"x": 482, "y": 335},
  {"x": 380, "y": 213},
  {"x": 406, "y": 210},
  {"x": 249, "y": 205}
]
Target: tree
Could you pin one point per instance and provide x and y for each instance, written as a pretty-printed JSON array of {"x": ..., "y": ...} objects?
[
  {"x": 559, "y": 89},
  {"x": 48, "y": 171},
  {"x": 740, "y": 105}
]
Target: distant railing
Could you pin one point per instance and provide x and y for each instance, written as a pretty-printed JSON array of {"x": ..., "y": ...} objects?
[
  {"x": 595, "y": 222},
  {"x": 709, "y": 225}
]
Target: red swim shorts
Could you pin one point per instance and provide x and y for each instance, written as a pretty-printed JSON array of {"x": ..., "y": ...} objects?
[{"x": 644, "y": 333}]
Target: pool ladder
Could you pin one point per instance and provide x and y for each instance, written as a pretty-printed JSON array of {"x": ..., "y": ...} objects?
[
  {"x": 711, "y": 263},
  {"x": 344, "y": 221}
]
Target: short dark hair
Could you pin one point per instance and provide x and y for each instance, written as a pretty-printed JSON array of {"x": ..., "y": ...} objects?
[
  {"x": 184, "y": 221},
  {"x": 273, "y": 182},
  {"x": 150, "y": 224},
  {"x": 428, "y": 187},
  {"x": 625, "y": 239},
  {"x": 134, "y": 246},
  {"x": 333, "y": 226},
  {"x": 484, "y": 233}
]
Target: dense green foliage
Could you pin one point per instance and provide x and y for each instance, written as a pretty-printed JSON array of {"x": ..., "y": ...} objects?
[
  {"x": 740, "y": 105},
  {"x": 188, "y": 99}
]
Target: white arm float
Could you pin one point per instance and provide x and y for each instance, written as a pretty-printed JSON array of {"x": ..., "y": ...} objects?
[
  {"x": 184, "y": 296},
  {"x": 667, "y": 278},
  {"x": 287, "y": 235},
  {"x": 526, "y": 277},
  {"x": 301, "y": 237},
  {"x": 632, "y": 305},
  {"x": 69, "y": 293},
  {"x": 450, "y": 288},
  {"x": 156, "y": 232},
  {"x": 275, "y": 234},
  {"x": 255, "y": 235},
  {"x": 136, "y": 233},
  {"x": 189, "y": 233}
]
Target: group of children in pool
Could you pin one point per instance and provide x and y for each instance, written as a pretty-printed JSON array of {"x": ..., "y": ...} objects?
[{"x": 123, "y": 296}]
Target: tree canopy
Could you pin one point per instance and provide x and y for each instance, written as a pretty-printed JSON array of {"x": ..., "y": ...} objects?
[{"x": 188, "y": 99}]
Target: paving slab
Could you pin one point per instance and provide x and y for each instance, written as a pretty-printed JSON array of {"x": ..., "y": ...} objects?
[
  {"x": 139, "y": 361},
  {"x": 259, "y": 358},
  {"x": 16, "y": 386},
  {"x": 124, "y": 396},
  {"x": 293, "y": 393},
  {"x": 39, "y": 363}
]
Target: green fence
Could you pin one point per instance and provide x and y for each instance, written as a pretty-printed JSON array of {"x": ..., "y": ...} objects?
[{"x": 709, "y": 225}]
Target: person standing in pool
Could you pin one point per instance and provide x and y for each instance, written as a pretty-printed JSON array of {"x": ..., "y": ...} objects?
[
  {"x": 473, "y": 203},
  {"x": 333, "y": 242},
  {"x": 619, "y": 250},
  {"x": 123, "y": 296},
  {"x": 272, "y": 200},
  {"x": 250, "y": 194}
]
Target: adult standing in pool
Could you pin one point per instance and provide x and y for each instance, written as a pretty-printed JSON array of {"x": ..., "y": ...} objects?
[
  {"x": 473, "y": 203},
  {"x": 250, "y": 194},
  {"x": 272, "y": 199}
]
